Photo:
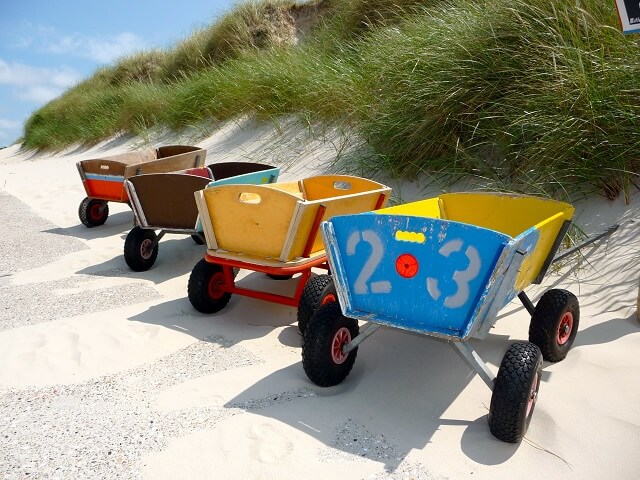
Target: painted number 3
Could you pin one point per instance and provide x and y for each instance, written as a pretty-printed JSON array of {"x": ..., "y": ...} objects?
[{"x": 462, "y": 278}]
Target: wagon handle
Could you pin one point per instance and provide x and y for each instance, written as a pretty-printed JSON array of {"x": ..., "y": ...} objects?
[{"x": 586, "y": 242}]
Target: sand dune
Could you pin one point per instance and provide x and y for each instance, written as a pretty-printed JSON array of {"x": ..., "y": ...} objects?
[{"x": 109, "y": 373}]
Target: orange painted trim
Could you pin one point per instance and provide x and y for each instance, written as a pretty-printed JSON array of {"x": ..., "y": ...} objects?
[
  {"x": 106, "y": 190},
  {"x": 319, "y": 262}
]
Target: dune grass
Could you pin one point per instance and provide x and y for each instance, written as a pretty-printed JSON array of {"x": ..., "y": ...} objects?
[{"x": 534, "y": 96}]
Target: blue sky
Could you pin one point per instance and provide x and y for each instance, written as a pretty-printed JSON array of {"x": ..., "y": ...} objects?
[{"x": 47, "y": 46}]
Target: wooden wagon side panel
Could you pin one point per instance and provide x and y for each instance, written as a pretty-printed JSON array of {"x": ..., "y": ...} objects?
[
  {"x": 343, "y": 205},
  {"x": 166, "y": 200},
  {"x": 250, "y": 219},
  {"x": 191, "y": 159},
  {"x": 331, "y": 186},
  {"x": 513, "y": 215},
  {"x": 103, "y": 179},
  {"x": 226, "y": 170},
  {"x": 419, "y": 274}
]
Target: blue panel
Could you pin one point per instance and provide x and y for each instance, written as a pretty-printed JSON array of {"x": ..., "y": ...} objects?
[
  {"x": 253, "y": 178},
  {"x": 422, "y": 274},
  {"x": 104, "y": 178}
]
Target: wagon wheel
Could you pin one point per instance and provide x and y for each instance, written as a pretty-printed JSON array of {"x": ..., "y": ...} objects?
[
  {"x": 317, "y": 291},
  {"x": 328, "y": 331},
  {"x": 554, "y": 324},
  {"x": 140, "y": 249},
  {"x": 205, "y": 288},
  {"x": 197, "y": 239},
  {"x": 93, "y": 212},
  {"x": 515, "y": 392}
]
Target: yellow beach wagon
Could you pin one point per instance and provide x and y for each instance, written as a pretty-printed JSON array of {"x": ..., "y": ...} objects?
[{"x": 271, "y": 229}]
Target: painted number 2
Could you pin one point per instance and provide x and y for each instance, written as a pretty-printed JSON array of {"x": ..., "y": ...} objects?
[
  {"x": 462, "y": 278},
  {"x": 377, "y": 252}
]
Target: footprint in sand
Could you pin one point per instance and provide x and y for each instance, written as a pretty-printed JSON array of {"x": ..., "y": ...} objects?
[{"x": 268, "y": 444}]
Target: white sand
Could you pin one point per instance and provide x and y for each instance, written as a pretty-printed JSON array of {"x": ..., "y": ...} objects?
[{"x": 108, "y": 373}]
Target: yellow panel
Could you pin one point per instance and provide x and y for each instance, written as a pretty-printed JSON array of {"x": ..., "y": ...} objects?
[
  {"x": 428, "y": 208},
  {"x": 331, "y": 186},
  {"x": 241, "y": 224},
  {"x": 358, "y": 203},
  {"x": 256, "y": 220},
  {"x": 505, "y": 213},
  {"x": 531, "y": 266},
  {"x": 291, "y": 187}
]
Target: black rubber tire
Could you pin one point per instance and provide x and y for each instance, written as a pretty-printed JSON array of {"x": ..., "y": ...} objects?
[
  {"x": 201, "y": 289},
  {"x": 325, "y": 326},
  {"x": 279, "y": 277},
  {"x": 140, "y": 249},
  {"x": 557, "y": 309},
  {"x": 318, "y": 291},
  {"x": 93, "y": 212},
  {"x": 517, "y": 382},
  {"x": 197, "y": 239}
]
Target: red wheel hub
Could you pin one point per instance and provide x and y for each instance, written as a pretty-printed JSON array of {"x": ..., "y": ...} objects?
[
  {"x": 341, "y": 338},
  {"x": 329, "y": 298},
  {"x": 96, "y": 211},
  {"x": 565, "y": 328},
  {"x": 146, "y": 249},
  {"x": 215, "y": 285}
]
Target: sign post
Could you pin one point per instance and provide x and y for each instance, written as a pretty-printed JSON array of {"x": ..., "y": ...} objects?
[{"x": 629, "y": 13}]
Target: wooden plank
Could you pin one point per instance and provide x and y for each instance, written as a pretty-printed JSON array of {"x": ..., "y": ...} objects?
[
  {"x": 330, "y": 186},
  {"x": 168, "y": 164},
  {"x": 251, "y": 219},
  {"x": 205, "y": 220},
  {"x": 346, "y": 204}
]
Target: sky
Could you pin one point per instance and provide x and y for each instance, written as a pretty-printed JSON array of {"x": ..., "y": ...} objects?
[{"x": 47, "y": 46}]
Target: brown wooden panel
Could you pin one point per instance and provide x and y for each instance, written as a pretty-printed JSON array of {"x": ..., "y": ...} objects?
[
  {"x": 233, "y": 169},
  {"x": 167, "y": 198}
]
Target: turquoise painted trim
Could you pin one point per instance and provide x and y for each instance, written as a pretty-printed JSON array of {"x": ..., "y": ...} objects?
[
  {"x": 105, "y": 178},
  {"x": 253, "y": 178}
]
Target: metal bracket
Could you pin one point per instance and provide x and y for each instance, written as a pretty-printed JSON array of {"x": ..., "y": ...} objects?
[
  {"x": 366, "y": 332},
  {"x": 471, "y": 357}
]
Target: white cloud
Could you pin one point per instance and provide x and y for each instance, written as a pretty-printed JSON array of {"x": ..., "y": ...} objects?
[
  {"x": 115, "y": 47},
  {"x": 101, "y": 49},
  {"x": 39, "y": 94},
  {"x": 21, "y": 75},
  {"x": 9, "y": 128},
  {"x": 4, "y": 123},
  {"x": 36, "y": 84}
]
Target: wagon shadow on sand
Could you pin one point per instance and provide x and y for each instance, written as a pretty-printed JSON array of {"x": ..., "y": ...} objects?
[
  {"x": 396, "y": 399},
  {"x": 242, "y": 319}
]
